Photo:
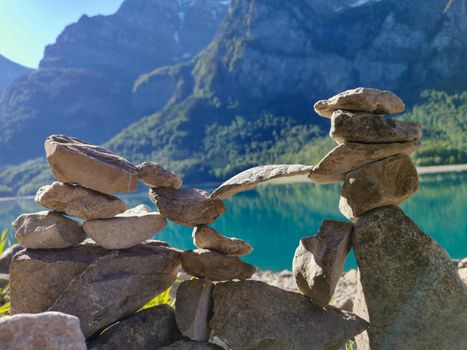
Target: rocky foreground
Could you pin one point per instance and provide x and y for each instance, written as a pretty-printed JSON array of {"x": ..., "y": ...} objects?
[{"x": 89, "y": 283}]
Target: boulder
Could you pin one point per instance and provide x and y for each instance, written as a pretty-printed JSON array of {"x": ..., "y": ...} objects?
[
  {"x": 414, "y": 296},
  {"x": 208, "y": 238},
  {"x": 47, "y": 230},
  {"x": 77, "y": 162},
  {"x": 362, "y": 100},
  {"x": 154, "y": 175},
  {"x": 250, "y": 178},
  {"x": 215, "y": 266},
  {"x": 75, "y": 200},
  {"x": 191, "y": 345},
  {"x": 125, "y": 230},
  {"x": 44, "y": 331},
  {"x": 151, "y": 328},
  {"x": 254, "y": 315},
  {"x": 387, "y": 182},
  {"x": 350, "y": 156},
  {"x": 189, "y": 207},
  {"x": 7, "y": 256},
  {"x": 371, "y": 128},
  {"x": 319, "y": 260},
  {"x": 193, "y": 309},
  {"x": 96, "y": 285}
]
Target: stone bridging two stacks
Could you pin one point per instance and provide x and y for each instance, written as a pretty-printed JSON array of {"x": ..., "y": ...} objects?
[{"x": 104, "y": 268}]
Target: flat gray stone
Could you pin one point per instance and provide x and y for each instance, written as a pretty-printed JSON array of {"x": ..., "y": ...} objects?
[
  {"x": 206, "y": 237},
  {"x": 147, "y": 329},
  {"x": 319, "y": 260},
  {"x": 345, "y": 292},
  {"x": 96, "y": 285},
  {"x": 125, "y": 230},
  {"x": 79, "y": 201},
  {"x": 191, "y": 345},
  {"x": 215, "y": 266},
  {"x": 387, "y": 182},
  {"x": 155, "y": 175},
  {"x": 77, "y": 162},
  {"x": 189, "y": 207},
  {"x": 250, "y": 178},
  {"x": 7, "y": 256},
  {"x": 348, "y": 157},
  {"x": 371, "y": 128},
  {"x": 254, "y": 315},
  {"x": 414, "y": 296},
  {"x": 44, "y": 331},
  {"x": 362, "y": 100},
  {"x": 193, "y": 309},
  {"x": 47, "y": 230}
]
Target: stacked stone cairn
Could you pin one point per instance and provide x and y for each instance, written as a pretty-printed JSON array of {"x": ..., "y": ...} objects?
[
  {"x": 408, "y": 288},
  {"x": 79, "y": 285}
]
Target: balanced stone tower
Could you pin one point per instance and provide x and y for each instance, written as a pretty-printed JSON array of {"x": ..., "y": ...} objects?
[
  {"x": 92, "y": 278},
  {"x": 409, "y": 290}
]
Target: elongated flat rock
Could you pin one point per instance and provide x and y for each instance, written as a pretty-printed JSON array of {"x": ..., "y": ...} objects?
[
  {"x": 48, "y": 330},
  {"x": 125, "y": 230},
  {"x": 250, "y": 178},
  {"x": 215, "y": 266},
  {"x": 345, "y": 158},
  {"x": 208, "y": 238},
  {"x": 75, "y": 200},
  {"x": 414, "y": 296},
  {"x": 77, "y": 162},
  {"x": 96, "y": 285},
  {"x": 254, "y": 315},
  {"x": 147, "y": 329},
  {"x": 155, "y": 175},
  {"x": 47, "y": 230},
  {"x": 319, "y": 260},
  {"x": 189, "y": 207},
  {"x": 387, "y": 182},
  {"x": 193, "y": 309},
  {"x": 361, "y": 100},
  {"x": 371, "y": 128}
]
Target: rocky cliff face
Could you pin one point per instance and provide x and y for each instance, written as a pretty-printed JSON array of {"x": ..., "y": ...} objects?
[
  {"x": 84, "y": 84},
  {"x": 10, "y": 70},
  {"x": 278, "y": 57}
]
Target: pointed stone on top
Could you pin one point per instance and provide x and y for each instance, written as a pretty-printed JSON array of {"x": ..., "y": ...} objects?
[
  {"x": 319, "y": 260},
  {"x": 77, "y": 162},
  {"x": 208, "y": 238},
  {"x": 250, "y": 178},
  {"x": 361, "y": 100},
  {"x": 350, "y": 156}
]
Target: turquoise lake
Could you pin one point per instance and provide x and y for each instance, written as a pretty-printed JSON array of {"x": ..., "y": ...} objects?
[{"x": 274, "y": 217}]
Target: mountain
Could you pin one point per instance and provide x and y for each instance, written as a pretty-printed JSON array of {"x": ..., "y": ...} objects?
[
  {"x": 10, "y": 70},
  {"x": 84, "y": 82},
  {"x": 246, "y": 98}
]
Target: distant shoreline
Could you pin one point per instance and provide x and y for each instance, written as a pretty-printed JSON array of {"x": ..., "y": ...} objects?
[{"x": 422, "y": 170}]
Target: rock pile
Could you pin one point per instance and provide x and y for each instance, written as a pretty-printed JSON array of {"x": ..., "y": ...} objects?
[
  {"x": 90, "y": 279},
  {"x": 102, "y": 268}
]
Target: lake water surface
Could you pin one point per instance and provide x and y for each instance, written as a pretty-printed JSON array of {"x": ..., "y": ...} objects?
[{"x": 273, "y": 218}]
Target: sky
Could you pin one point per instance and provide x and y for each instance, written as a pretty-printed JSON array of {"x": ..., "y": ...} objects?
[{"x": 27, "y": 26}]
